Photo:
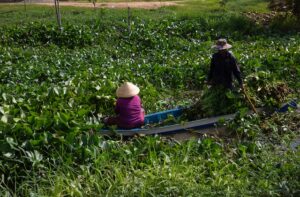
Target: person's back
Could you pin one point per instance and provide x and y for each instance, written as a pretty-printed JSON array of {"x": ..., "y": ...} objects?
[
  {"x": 130, "y": 112},
  {"x": 223, "y": 66},
  {"x": 215, "y": 101}
]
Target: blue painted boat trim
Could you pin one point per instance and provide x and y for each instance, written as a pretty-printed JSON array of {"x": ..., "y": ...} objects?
[
  {"x": 160, "y": 116},
  {"x": 176, "y": 128},
  {"x": 292, "y": 104}
]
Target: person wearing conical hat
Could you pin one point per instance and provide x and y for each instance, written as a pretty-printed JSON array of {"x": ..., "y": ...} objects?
[
  {"x": 223, "y": 69},
  {"x": 223, "y": 66},
  {"x": 130, "y": 113}
]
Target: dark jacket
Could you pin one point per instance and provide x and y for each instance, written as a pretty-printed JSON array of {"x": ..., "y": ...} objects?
[{"x": 222, "y": 69}]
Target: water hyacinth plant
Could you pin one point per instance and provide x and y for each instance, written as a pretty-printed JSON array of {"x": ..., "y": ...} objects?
[{"x": 56, "y": 86}]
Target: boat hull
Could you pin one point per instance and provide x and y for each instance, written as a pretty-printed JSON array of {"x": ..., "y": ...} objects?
[{"x": 196, "y": 125}]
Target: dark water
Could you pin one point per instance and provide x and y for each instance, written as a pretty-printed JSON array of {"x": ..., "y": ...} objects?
[{"x": 295, "y": 144}]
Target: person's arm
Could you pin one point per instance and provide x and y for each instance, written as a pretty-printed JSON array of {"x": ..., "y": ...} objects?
[
  {"x": 236, "y": 71},
  {"x": 211, "y": 70},
  {"x": 142, "y": 114},
  {"x": 117, "y": 108},
  {"x": 142, "y": 108}
]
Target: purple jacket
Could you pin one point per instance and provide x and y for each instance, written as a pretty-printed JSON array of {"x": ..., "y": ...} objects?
[{"x": 130, "y": 112}]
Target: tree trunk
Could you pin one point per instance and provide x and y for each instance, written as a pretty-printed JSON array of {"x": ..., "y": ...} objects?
[{"x": 296, "y": 8}]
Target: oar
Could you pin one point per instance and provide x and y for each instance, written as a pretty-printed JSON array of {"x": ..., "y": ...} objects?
[{"x": 248, "y": 99}]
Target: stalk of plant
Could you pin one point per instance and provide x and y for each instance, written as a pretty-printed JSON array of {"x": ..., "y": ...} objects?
[
  {"x": 58, "y": 15},
  {"x": 129, "y": 19},
  {"x": 25, "y": 7}
]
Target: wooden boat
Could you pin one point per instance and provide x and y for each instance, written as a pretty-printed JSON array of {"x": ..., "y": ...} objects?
[{"x": 177, "y": 128}]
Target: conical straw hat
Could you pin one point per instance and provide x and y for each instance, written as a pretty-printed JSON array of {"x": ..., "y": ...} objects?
[
  {"x": 222, "y": 44},
  {"x": 127, "y": 90}
]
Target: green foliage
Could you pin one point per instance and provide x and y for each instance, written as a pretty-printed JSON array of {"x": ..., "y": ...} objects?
[
  {"x": 206, "y": 167},
  {"x": 285, "y": 23},
  {"x": 45, "y": 35},
  {"x": 269, "y": 92},
  {"x": 223, "y": 3},
  {"x": 56, "y": 86},
  {"x": 219, "y": 101},
  {"x": 215, "y": 101},
  {"x": 286, "y": 5}
]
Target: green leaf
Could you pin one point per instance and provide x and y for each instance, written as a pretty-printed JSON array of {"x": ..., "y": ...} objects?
[
  {"x": 4, "y": 119},
  {"x": 11, "y": 141},
  {"x": 243, "y": 111},
  {"x": 17, "y": 119},
  {"x": 8, "y": 155},
  {"x": 2, "y": 110},
  {"x": 56, "y": 90},
  {"x": 4, "y": 97},
  {"x": 230, "y": 95},
  {"x": 14, "y": 100}
]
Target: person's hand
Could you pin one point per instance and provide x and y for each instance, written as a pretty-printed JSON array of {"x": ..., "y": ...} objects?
[
  {"x": 208, "y": 82},
  {"x": 105, "y": 120},
  {"x": 242, "y": 87}
]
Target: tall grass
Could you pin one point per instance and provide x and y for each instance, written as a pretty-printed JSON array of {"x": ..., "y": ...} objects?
[
  {"x": 14, "y": 14},
  {"x": 50, "y": 95},
  {"x": 154, "y": 166}
]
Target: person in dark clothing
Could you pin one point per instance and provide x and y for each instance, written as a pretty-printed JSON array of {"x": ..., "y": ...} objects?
[
  {"x": 223, "y": 67},
  {"x": 219, "y": 99}
]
